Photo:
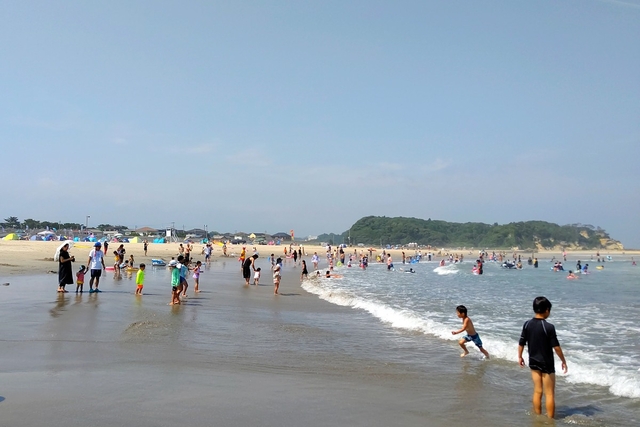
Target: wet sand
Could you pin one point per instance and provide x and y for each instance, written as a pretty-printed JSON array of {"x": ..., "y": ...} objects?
[
  {"x": 113, "y": 358},
  {"x": 231, "y": 356}
]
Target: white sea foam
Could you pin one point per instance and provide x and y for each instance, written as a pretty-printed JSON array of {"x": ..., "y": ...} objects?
[
  {"x": 446, "y": 270},
  {"x": 404, "y": 319},
  {"x": 584, "y": 367}
]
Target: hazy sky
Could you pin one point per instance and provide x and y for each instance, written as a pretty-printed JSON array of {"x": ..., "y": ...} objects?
[{"x": 278, "y": 115}]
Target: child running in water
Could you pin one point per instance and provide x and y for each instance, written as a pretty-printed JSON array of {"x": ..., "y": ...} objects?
[
  {"x": 472, "y": 335},
  {"x": 540, "y": 336},
  {"x": 140, "y": 279},
  {"x": 196, "y": 277},
  {"x": 80, "y": 278}
]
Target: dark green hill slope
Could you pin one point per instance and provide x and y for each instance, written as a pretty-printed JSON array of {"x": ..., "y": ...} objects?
[{"x": 372, "y": 230}]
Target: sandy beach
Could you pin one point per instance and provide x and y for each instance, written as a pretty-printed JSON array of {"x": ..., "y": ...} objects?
[
  {"x": 25, "y": 257},
  {"x": 229, "y": 356}
]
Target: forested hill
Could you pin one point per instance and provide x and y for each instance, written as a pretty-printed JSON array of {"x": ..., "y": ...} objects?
[{"x": 372, "y": 230}]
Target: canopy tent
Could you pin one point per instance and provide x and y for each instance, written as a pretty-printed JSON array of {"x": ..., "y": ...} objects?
[
  {"x": 11, "y": 236},
  {"x": 146, "y": 230},
  {"x": 45, "y": 233}
]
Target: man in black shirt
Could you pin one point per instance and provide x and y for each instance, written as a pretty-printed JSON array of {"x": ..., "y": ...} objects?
[{"x": 541, "y": 338}]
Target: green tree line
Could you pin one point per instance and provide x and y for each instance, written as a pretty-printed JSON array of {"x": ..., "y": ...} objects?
[
  {"x": 32, "y": 224},
  {"x": 372, "y": 230}
]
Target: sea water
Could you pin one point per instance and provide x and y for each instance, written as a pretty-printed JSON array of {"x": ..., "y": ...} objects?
[{"x": 596, "y": 316}]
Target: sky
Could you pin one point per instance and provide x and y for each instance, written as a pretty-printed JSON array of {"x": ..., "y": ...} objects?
[{"x": 277, "y": 115}]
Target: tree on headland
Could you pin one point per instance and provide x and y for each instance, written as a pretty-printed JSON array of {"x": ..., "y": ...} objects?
[{"x": 373, "y": 230}]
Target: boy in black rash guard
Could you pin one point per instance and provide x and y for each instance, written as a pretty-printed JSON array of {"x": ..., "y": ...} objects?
[{"x": 541, "y": 338}]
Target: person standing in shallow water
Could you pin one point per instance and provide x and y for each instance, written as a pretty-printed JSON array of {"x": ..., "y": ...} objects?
[
  {"x": 248, "y": 266},
  {"x": 96, "y": 265},
  {"x": 541, "y": 339},
  {"x": 277, "y": 276},
  {"x": 65, "y": 270}
]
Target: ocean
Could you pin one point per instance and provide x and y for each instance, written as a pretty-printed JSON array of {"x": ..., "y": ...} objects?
[{"x": 596, "y": 318}]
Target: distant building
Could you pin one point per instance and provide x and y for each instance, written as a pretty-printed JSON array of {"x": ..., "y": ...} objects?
[{"x": 282, "y": 236}]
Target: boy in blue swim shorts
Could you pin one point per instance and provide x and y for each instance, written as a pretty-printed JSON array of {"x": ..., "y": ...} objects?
[{"x": 472, "y": 335}]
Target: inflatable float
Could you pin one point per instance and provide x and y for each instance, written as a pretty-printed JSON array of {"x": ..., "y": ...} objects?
[{"x": 158, "y": 263}]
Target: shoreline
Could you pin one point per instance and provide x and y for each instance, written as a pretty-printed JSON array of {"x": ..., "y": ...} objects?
[{"x": 20, "y": 257}]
